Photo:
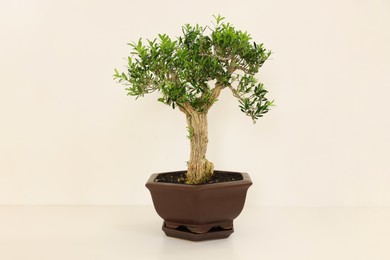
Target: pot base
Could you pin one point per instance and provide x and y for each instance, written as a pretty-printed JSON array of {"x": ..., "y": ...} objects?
[{"x": 184, "y": 233}]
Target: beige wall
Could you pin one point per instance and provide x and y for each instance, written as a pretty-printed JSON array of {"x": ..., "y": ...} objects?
[{"x": 69, "y": 135}]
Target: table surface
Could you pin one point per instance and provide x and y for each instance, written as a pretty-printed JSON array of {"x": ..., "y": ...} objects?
[{"x": 134, "y": 232}]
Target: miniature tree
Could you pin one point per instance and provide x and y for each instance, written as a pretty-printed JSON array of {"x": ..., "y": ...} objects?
[{"x": 191, "y": 71}]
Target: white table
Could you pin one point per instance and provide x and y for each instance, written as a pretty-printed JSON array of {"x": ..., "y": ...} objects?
[{"x": 116, "y": 233}]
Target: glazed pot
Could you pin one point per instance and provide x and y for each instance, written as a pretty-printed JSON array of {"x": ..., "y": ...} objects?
[{"x": 199, "y": 212}]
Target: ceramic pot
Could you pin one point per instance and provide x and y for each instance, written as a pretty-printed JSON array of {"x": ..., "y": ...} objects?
[{"x": 199, "y": 212}]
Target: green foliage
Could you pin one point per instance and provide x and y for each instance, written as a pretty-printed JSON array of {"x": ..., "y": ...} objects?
[
  {"x": 190, "y": 132},
  {"x": 256, "y": 104},
  {"x": 189, "y": 69}
]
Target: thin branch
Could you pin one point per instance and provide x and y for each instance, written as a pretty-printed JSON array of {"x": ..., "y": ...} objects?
[
  {"x": 215, "y": 56},
  {"x": 243, "y": 68},
  {"x": 232, "y": 66},
  {"x": 235, "y": 93}
]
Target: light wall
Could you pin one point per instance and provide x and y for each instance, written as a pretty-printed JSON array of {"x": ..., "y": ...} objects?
[{"x": 70, "y": 135}]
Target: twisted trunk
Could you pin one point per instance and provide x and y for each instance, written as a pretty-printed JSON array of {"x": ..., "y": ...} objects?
[{"x": 199, "y": 168}]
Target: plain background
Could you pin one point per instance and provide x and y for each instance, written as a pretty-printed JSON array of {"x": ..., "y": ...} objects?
[{"x": 70, "y": 135}]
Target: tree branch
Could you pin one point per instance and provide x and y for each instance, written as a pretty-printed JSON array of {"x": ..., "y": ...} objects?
[
  {"x": 215, "y": 94},
  {"x": 216, "y": 56},
  {"x": 186, "y": 108},
  {"x": 243, "y": 68},
  {"x": 235, "y": 93},
  {"x": 232, "y": 66}
]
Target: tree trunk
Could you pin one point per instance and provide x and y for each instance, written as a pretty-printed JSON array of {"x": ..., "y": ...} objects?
[{"x": 199, "y": 168}]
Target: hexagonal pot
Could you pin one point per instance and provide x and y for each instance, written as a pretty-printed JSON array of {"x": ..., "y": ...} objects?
[{"x": 199, "y": 212}]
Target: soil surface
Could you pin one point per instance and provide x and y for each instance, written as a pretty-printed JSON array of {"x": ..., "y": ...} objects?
[{"x": 180, "y": 177}]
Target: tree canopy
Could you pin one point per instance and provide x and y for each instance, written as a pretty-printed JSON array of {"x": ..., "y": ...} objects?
[{"x": 191, "y": 70}]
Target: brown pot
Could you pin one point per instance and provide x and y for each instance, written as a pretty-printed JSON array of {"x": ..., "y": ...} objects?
[{"x": 199, "y": 212}]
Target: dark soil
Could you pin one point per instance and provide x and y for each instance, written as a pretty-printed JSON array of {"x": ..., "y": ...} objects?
[{"x": 180, "y": 177}]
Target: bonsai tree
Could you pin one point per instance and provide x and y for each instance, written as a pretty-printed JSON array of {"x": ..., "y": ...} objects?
[{"x": 191, "y": 71}]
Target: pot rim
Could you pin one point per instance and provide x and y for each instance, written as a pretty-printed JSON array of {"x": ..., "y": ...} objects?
[{"x": 246, "y": 181}]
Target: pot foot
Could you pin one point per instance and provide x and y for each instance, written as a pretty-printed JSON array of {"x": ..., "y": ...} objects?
[
  {"x": 198, "y": 229},
  {"x": 183, "y": 232}
]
